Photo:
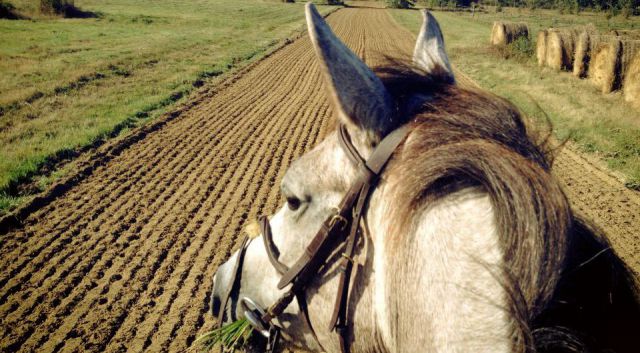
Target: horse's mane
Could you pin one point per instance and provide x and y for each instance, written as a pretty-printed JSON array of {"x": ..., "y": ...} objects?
[{"x": 568, "y": 291}]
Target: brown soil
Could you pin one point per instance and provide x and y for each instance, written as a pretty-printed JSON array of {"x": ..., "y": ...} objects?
[
  {"x": 602, "y": 198},
  {"x": 120, "y": 256}
]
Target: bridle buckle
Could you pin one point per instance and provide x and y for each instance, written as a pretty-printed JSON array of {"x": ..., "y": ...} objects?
[
  {"x": 254, "y": 313},
  {"x": 338, "y": 218}
]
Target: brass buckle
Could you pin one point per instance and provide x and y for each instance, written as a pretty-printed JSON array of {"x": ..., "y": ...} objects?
[
  {"x": 344, "y": 256},
  {"x": 338, "y": 218}
]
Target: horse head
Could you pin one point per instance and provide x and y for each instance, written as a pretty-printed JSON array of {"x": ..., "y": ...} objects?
[{"x": 456, "y": 238}]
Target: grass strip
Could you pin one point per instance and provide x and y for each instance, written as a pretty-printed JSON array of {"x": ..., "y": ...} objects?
[{"x": 231, "y": 336}]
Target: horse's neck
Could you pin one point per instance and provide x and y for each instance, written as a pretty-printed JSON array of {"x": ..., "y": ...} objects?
[{"x": 438, "y": 288}]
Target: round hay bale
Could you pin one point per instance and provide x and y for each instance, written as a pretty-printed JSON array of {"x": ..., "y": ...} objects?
[
  {"x": 504, "y": 33},
  {"x": 541, "y": 47},
  {"x": 632, "y": 82},
  {"x": 586, "y": 42},
  {"x": 560, "y": 48},
  {"x": 605, "y": 64},
  {"x": 581, "y": 57},
  {"x": 494, "y": 29},
  {"x": 629, "y": 50}
]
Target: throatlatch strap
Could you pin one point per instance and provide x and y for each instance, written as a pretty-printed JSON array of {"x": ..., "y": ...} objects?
[
  {"x": 339, "y": 319},
  {"x": 339, "y": 316}
]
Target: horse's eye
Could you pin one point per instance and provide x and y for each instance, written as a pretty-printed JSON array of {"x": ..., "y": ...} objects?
[{"x": 293, "y": 203}]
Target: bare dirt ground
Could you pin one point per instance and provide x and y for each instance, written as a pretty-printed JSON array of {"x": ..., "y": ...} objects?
[{"x": 120, "y": 256}]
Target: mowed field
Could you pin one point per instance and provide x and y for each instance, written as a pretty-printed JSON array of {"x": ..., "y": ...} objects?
[
  {"x": 119, "y": 255},
  {"x": 70, "y": 83},
  {"x": 600, "y": 125}
]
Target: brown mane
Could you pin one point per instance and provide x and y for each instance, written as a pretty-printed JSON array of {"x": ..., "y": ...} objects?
[{"x": 467, "y": 137}]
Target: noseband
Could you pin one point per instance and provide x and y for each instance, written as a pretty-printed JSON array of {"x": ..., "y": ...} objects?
[{"x": 339, "y": 228}]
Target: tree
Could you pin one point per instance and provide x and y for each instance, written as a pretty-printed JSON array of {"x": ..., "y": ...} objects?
[{"x": 401, "y": 4}]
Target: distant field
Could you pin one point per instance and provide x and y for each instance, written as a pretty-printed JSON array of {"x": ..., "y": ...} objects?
[
  {"x": 66, "y": 82},
  {"x": 599, "y": 124}
]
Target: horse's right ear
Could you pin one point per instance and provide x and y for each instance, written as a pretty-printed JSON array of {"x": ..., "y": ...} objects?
[
  {"x": 429, "y": 54},
  {"x": 360, "y": 98}
]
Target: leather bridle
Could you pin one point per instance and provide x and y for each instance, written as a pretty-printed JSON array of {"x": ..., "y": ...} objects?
[{"x": 341, "y": 227}]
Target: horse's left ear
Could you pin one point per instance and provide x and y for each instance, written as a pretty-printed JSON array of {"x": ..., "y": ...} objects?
[
  {"x": 358, "y": 95},
  {"x": 429, "y": 54}
]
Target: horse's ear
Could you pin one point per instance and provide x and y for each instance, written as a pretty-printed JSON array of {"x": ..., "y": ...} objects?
[
  {"x": 360, "y": 98},
  {"x": 429, "y": 54}
]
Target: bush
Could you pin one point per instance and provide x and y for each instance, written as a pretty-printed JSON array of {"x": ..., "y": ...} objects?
[
  {"x": 522, "y": 47},
  {"x": 522, "y": 50},
  {"x": 54, "y": 7},
  {"x": 432, "y": 4},
  {"x": 7, "y": 10},
  {"x": 323, "y": 2},
  {"x": 65, "y": 8},
  {"x": 627, "y": 8},
  {"x": 400, "y": 4}
]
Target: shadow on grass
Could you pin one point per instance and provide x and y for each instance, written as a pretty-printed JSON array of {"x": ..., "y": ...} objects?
[
  {"x": 71, "y": 11},
  {"x": 66, "y": 9}
]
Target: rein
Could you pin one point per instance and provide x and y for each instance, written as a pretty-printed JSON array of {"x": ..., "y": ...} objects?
[{"x": 341, "y": 227}]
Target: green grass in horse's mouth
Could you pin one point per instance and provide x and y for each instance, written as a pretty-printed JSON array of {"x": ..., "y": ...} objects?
[{"x": 231, "y": 336}]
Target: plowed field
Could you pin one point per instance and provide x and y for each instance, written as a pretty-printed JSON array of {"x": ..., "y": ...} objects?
[{"x": 120, "y": 256}]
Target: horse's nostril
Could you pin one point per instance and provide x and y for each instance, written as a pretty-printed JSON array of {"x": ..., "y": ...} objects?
[
  {"x": 215, "y": 304},
  {"x": 215, "y": 298}
]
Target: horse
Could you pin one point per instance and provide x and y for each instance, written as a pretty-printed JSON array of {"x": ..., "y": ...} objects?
[{"x": 458, "y": 240}]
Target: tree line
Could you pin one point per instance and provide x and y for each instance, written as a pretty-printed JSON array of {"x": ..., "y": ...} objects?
[
  {"x": 625, "y": 7},
  {"x": 575, "y": 5}
]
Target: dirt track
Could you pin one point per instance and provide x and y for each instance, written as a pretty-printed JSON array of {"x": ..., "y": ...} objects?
[{"x": 122, "y": 260}]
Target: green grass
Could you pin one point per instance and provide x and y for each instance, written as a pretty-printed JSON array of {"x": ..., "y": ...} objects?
[
  {"x": 231, "y": 336},
  {"x": 602, "y": 125},
  {"x": 66, "y": 82}
]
